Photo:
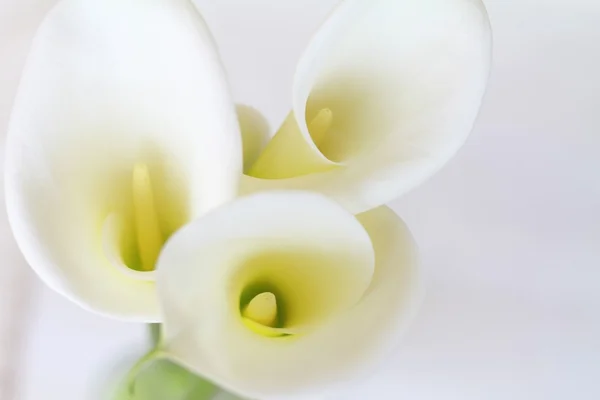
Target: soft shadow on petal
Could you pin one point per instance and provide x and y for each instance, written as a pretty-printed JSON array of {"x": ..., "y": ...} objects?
[
  {"x": 401, "y": 82},
  {"x": 110, "y": 84},
  {"x": 202, "y": 328}
]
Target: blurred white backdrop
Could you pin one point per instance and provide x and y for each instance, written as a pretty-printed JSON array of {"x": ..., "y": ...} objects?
[{"x": 509, "y": 231}]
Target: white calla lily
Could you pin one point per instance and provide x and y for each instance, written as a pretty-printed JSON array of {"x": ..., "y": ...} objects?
[
  {"x": 282, "y": 293},
  {"x": 122, "y": 131},
  {"x": 384, "y": 96}
]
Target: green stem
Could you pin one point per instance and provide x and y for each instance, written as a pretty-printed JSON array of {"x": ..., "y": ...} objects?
[
  {"x": 155, "y": 334},
  {"x": 153, "y": 355}
]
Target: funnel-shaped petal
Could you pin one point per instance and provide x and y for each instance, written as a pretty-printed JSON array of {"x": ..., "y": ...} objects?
[
  {"x": 122, "y": 131},
  {"x": 284, "y": 293},
  {"x": 384, "y": 96}
]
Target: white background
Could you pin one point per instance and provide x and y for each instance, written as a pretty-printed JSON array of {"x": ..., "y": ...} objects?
[{"x": 509, "y": 231}]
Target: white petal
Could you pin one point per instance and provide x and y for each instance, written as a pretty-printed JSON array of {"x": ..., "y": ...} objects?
[
  {"x": 403, "y": 81},
  {"x": 202, "y": 325},
  {"x": 109, "y": 84},
  {"x": 255, "y": 133}
]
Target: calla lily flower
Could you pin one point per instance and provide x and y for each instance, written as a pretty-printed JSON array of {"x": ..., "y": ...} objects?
[
  {"x": 283, "y": 293},
  {"x": 122, "y": 131},
  {"x": 385, "y": 94}
]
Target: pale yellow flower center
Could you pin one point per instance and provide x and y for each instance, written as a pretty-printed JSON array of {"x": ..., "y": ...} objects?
[
  {"x": 148, "y": 207},
  {"x": 149, "y": 236},
  {"x": 262, "y": 309},
  {"x": 284, "y": 292}
]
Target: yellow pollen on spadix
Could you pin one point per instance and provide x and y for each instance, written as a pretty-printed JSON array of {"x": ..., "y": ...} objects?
[
  {"x": 262, "y": 309},
  {"x": 320, "y": 124},
  {"x": 149, "y": 237}
]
